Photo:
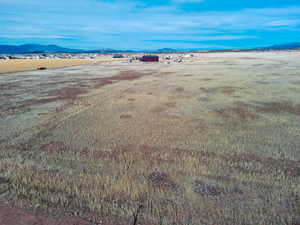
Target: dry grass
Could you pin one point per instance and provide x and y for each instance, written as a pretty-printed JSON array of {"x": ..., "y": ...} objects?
[
  {"x": 15, "y": 65},
  {"x": 8, "y": 66},
  {"x": 143, "y": 147},
  {"x": 164, "y": 181}
]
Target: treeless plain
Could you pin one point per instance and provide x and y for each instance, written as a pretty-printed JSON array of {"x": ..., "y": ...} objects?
[{"x": 212, "y": 140}]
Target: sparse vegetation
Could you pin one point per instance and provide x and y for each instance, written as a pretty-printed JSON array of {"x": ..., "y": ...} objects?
[{"x": 140, "y": 148}]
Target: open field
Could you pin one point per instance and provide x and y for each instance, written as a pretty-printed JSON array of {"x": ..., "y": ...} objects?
[
  {"x": 17, "y": 65},
  {"x": 213, "y": 140}
]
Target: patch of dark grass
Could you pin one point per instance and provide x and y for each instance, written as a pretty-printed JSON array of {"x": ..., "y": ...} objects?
[
  {"x": 262, "y": 82},
  {"x": 279, "y": 107},
  {"x": 171, "y": 104},
  {"x": 125, "y": 116},
  {"x": 179, "y": 89},
  {"x": 4, "y": 180},
  {"x": 128, "y": 75},
  {"x": 189, "y": 75},
  {"x": 130, "y": 91},
  {"x": 11, "y": 85},
  {"x": 202, "y": 188},
  {"x": 208, "y": 90},
  {"x": 12, "y": 216},
  {"x": 25, "y": 105},
  {"x": 228, "y": 90},
  {"x": 288, "y": 167},
  {"x": 166, "y": 73},
  {"x": 162, "y": 181},
  {"x": 203, "y": 99},
  {"x": 121, "y": 76},
  {"x": 295, "y": 90},
  {"x": 293, "y": 203},
  {"x": 68, "y": 92},
  {"x": 206, "y": 79},
  {"x": 249, "y": 58},
  {"x": 296, "y": 82},
  {"x": 241, "y": 112},
  {"x": 54, "y": 147}
]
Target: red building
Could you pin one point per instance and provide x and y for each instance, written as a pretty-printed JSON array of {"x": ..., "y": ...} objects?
[{"x": 150, "y": 58}]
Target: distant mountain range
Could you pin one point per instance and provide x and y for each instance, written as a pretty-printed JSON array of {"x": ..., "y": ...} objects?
[
  {"x": 295, "y": 45},
  {"x": 33, "y": 48}
]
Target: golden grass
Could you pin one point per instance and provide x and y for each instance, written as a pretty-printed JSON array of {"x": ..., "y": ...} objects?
[{"x": 14, "y": 65}]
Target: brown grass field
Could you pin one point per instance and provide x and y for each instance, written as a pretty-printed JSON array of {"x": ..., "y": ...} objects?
[
  {"x": 15, "y": 65},
  {"x": 214, "y": 140}
]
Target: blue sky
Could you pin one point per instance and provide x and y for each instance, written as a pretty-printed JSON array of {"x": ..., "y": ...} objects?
[{"x": 151, "y": 24}]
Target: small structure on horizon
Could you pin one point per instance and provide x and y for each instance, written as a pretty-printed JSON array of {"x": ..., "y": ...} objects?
[
  {"x": 118, "y": 56},
  {"x": 150, "y": 58}
]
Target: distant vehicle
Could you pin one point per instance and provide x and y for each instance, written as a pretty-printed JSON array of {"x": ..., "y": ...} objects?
[
  {"x": 118, "y": 56},
  {"x": 42, "y": 68},
  {"x": 150, "y": 58}
]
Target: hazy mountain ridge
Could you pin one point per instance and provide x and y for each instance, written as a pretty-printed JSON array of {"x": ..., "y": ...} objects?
[
  {"x": 294, "y": 45},
  {"x": 35, "y": 48}
]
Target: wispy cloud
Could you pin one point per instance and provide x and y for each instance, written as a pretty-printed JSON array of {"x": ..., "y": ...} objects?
[
  {"x": 199, "y": 39},
  {"x": 108, "y": 23},
  {"x": 285, "y": 23},
  {"x": 17, "y": 36},
  {"x": 188, "y": 1}
]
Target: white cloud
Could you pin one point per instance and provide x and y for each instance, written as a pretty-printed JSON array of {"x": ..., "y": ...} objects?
[
  {"x": 104, "y": 22},
  {"x": 17, "y": 36},
  {"x": 277, "y": 23},
  {"x": 199, "y": 38},
  {"x": 188, "y": 1}
]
